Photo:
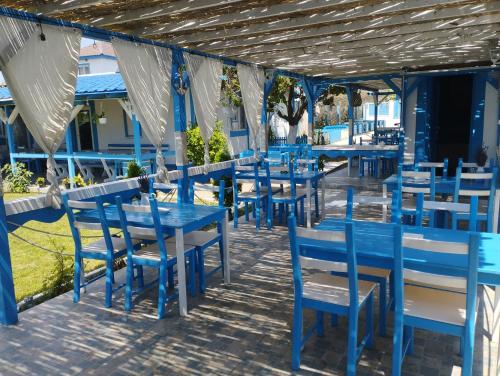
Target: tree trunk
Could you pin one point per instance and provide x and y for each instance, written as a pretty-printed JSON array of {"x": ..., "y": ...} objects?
[{"x": 292, "y": 134}]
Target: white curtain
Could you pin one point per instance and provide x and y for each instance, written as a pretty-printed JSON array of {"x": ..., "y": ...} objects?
[
  {"x": 147, "y": 71},
  {"x": 205, "y": 82},
  {"x": 252, "y": 81},
  {"x": 40, "y": 65}
]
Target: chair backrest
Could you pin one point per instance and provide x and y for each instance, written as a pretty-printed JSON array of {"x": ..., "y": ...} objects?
[
  {"x": 316, "y": 249},
  {"x": 245, "y": 174},
  {"x": 288, "y": 169},
  {"x": 439, "y": 275},
  {"x": 219, "y": 189},
  {"x": 135, "y": 224},
  {"x": 74, "y": 207},
  {"x": 428, "y": 166},
  {"x": 415, "y": 182},
  {"x": 480, "y": 184},
  {"x": 371, "y": 201},
  {"x": 472, "y": 166},
  {"x": 311, "y": 164},
  {"x": 454, "y": 208}
]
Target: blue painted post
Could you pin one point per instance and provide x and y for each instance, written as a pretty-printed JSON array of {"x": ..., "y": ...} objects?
[
  {"x": 404, "y": 86},
  {"x": 477, "y": 113},
  {"x": 8, "y": 307},
  {"x": 350, "y": 116},
  {"x": 137, "y": 140},
  {"x": 192, "y": 114},
  {"x": 69, "y": 152},
  {"x": 311, "y": 100},
  {"x": 375, "y": 116},
  {"x": 9, "y": 131},
  {"x": 180, "y": 125},
  {"x": 268, "y": 85},
  {"x": 421, "y": 121},
  {"x": 93, "y": 124}
]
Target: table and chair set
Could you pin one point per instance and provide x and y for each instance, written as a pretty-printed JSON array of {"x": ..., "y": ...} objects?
[{"x": 426, "y": 262}]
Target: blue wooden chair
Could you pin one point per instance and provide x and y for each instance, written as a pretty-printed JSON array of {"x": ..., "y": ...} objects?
[
  {"x": 324, "y": 292},
  {"x": 257, "y": 196},
  {"x": 466, "y": 211},
  {"x": 429, "y": 166},
  {"x": 203, "y": 240},
  {"x": 287, "y": 196},
  {"x": 108, "y": 248},
  {"x": 481, "y": 184},
  {"x": 382, "y": 277},
  {"x": 440, "y": 308},
  {"x": 152, "y": 254},
  {"x": 410, "y": 184}
]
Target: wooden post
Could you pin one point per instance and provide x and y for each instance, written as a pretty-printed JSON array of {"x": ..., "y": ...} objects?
[
  {"x": 69, "y": 152},
  {"x": 137, "y": 140},
  {"x": 180, "y": 124},
  {"x": 375, "y": 115},
  {"x": 9, "y": 131},
  {"x": 268, "y": 85},
  {"x": 8, "y": 307},
  {"x": 350, "y": 117}
]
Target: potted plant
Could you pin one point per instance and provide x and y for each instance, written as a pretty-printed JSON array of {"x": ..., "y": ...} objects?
[
  {"x": 143, "y": 181},
  {"x": 134, "y": 170},
  {"x": 66, "y": 183},
  {"x": 40, "y": 182},
  {"x": 481, "y": 157},
  {"x": 79, "y": 181},
  {"x": 101, "y": 118}
]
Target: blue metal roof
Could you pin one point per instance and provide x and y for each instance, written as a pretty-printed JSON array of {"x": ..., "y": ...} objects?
[{"x": 92, "y": 86}]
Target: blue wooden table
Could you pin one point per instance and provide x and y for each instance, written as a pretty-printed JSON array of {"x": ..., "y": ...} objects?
[
  {"x": 443, "y": 185},
  {"x": 177, "y": 221},
  {"x": 374, "y": 247}
]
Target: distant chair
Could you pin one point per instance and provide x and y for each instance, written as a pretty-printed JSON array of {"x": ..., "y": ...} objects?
[
  {"x": 324, "y": 292},
  {"x": 428, "y": 166},
  {"x": 410, "y": 184},
  {"x": 61, "y": 171},
  {"x": 480, "y": 184},
  {"x": 85, "y": 171}
]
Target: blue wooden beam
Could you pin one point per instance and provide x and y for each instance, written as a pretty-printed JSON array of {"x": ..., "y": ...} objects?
[
  {"x": 8, "y": 307},
  {"x": 137, "y": 139},
  {"x": 70, "y": 151},
  {"x": 422, "y": 121},
  {"x": 477, "y": 113},
  {"x": 9, "y": 131},
  {"x": 392, "y": 85}
]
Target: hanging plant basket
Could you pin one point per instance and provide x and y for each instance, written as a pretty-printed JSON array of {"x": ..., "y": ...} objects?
[
  {"x": 103, "y": 120},
  {"x": 356, "y": 99}
]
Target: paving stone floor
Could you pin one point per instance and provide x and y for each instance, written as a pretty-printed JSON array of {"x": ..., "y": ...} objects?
[{"x": 241, "y": 329}]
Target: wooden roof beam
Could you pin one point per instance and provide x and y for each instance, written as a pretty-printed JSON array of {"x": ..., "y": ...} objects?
[
  {"x": 349, "y": 22},
  {"x": 61, "y": 6}
]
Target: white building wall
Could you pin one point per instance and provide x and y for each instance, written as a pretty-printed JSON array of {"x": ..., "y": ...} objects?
[
  {"x": 101, "y": 65},
  {"x": 490, "y": 120},
  {"x": 390, "y": 119}
]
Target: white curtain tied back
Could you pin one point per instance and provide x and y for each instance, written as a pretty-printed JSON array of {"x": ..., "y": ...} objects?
[
  {"x": 41, "y": 76},
  {"x": 147, "y": 71},
  {"x": 205, "y": 83},
  {"x": 252, "y": 81}
]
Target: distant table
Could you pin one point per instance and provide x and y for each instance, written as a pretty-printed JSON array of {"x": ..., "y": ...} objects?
[
  {"x": 179, "y": 220},
  {"x": 350, "y": 151},
  {"x": 443, "y": 185}
]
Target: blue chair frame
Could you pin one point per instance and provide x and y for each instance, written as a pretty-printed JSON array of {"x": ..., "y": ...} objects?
[{"x": 344, "y": 253}]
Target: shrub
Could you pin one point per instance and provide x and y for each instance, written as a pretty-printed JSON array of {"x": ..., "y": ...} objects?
[
  {"x": 134, "y": 170},
  {"x": 18, "y": 179},
  {"x": 40, "y": 181},
  {"x": 217, "y": 146}
]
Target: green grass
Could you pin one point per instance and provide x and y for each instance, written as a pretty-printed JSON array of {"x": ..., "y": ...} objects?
[{"x": 31, "y": 266}]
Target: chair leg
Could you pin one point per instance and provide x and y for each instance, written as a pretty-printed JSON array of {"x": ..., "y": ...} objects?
[
  {"x": 192, "y": 273},
  {"x": 408, "y": 337},
  {"x": 320, "y": 327},
  {"x": 128, "y": 285},
  {"x": 316, "y": 202},
  {"x": 302, "y": 212},
  {"x": 140, "y": 276},
  {"x": 246, "y": 211},
  {"x": 270, "y": 212},
  {"x": 109, "y": 282},
  {"x": 235, "y": 216},
  {"x": 468, "y": 352},
  {"x": 76, "y": 280},
  {"x": 334, "y": 321},
  {"x": 170, "y": 277},
  {"x": 296, "y": 335},
  {"x": 397, "y": 347},
  {"x": 352, "y": 343},
  {"x": 370, "y": 342},
  {"x": 162, "y": 291},
  {"x": 382, "y": 308},
  {"x": 257, "y": 214}
]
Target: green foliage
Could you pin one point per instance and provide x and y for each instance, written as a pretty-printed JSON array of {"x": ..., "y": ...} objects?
[
  {"x": 134, "y": 170},
  {"x": 79, "y": 181},
  {"x": 18, "y": 179},
  {"x": 60, "y": 278},
  {"x": 40, "y": 181},
  {"x": 217, "y": 146},
  {"x": 279, "y": 91},
  {"x": 231, "y": 91},
  {"x": 327, "y": 97}
]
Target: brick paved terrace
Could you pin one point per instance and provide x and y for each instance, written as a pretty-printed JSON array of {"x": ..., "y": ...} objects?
[{"x": 241, "y": 329}]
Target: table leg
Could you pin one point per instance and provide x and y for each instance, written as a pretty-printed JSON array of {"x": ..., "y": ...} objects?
[
  {"x": 496, "y": 328},
  {"x": 181, "y": 271},
  {"x": 308, "y": 199},
  {"x": 225, "y": 248},
  {"x": 349, "y": 166},
  {"x": 496, "y": 210},
  {"x": 323, "y": 204},
  {"x": 384, "y": 207}
]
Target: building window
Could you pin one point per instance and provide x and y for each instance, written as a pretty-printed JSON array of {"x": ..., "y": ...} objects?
[
  {"x": 371, "y": 109},
  {"x": 396, "y": 109},
  {"x": 83, "y": 68},
  {"x": 383, "y": 109}
]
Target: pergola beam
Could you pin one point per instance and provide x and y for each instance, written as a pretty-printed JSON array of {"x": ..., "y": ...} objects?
[
  {"x": 173, "y": 8},
  {"x": 60, "y": 6},
  {"x": 346, "y": 22},
  {"x": 336, "y": 42}
]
